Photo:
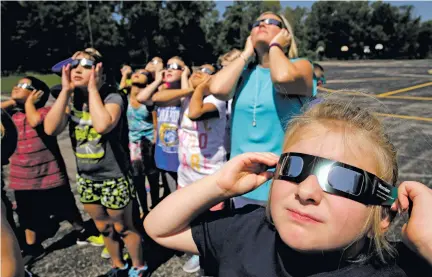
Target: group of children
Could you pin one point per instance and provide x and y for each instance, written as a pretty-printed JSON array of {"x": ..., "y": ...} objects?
[
  {"x": 159, "y": 123},
  {"x": 332, "y": 191}
]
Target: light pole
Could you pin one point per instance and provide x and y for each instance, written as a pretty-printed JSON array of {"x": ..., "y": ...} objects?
[{"x": 89, "y": 23}]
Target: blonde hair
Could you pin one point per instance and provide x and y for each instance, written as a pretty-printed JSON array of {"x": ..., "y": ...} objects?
[
  {"x": 357, "y": 122},
  {"x": 292, "y": 51},
  {"x": 229, "y": 56},
  {"x": 91, "y": 53}
]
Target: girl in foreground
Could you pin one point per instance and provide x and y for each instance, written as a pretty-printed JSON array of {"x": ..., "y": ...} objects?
[{"x": 328, "y": 211}]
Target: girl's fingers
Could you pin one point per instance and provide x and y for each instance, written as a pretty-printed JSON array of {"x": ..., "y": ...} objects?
[
  {"x": 264, "y": 177},
  {"x": 260, "y": 158},
  {"x": 414, "y": 192},
  {"x": 395, "y": 206}
]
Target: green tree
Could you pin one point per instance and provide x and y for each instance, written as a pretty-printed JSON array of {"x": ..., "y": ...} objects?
[
  {"x": 235, "y": 26},
  {"x": 138, "y": 26},
  {"x": 181, "y": 33},
  {"x": 297, "y": 18},
  {"x": 272, "y": 6},
  {"x": 424, "y": 40}
]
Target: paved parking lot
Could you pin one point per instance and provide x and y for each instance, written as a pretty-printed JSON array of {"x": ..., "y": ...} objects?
[{"x": 402, "y": 93}]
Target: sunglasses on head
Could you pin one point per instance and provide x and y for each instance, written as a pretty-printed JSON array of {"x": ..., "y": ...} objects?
[
  {"x": 206, "y": 70},
  {"x": 86, "y": 63},
  {"x": 26, "y": 86},
  {"x": 174, "y": 66},
  {"x": 336, "y": 178},
  {"x": 267, "y": 21}
]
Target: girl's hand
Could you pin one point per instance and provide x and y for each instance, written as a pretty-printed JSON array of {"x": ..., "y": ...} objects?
[
  {"x": 162, "y": 87},
  {"x": 417, "y": 232},
  {"x": 186, "y": 72},
  {"x": 205, "y": 84},
  {"x": 159, "y": 76},
  {"x": 67, "y": 84},
  {"x": 158, "y": 67},
  {"x": 283, "y": 39},
  {"x": 126, "y": 70},
  {"x": 245, "y": 172},
  {"x": 95, "y": 78},
  {"x": 35, "y": 96}
]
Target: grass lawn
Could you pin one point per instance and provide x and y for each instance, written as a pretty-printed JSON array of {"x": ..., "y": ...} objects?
[{"x": 8, "y": 82}]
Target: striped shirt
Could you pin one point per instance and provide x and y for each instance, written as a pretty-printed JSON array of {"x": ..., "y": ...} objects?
[{"x": 37, "y": 163}]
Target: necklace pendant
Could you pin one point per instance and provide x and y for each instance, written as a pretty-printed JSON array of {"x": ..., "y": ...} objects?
[{"x": 254, "y": 123}]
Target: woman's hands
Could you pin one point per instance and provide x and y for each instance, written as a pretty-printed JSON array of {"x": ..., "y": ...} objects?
[
  {"x": 248, "y": 51},
  {"x": 283, "y": 39}
]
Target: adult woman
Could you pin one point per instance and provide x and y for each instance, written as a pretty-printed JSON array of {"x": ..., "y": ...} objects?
[{"x": 270, "y": 92}]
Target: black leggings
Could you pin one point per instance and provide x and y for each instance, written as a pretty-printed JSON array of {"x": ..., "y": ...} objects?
[{"x": 139, "y": 182}]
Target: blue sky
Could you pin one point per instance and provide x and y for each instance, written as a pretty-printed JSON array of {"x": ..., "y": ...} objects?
[{"x": 421, "y": 8}]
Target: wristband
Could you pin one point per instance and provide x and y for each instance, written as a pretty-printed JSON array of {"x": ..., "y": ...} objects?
[{"x": 276, "y": 44}]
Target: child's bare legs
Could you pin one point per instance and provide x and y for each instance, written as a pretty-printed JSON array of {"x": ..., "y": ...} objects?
[
  {"x": 123, "y": 225},
  {"x": 106, "y": 227},
  {"x": 30, "y": 237}
]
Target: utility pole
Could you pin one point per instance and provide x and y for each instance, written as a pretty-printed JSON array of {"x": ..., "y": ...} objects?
[{"x": 89, "y": 24}]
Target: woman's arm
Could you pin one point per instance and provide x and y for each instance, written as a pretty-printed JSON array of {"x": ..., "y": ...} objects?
[
  {"x": 107, "y": 115},
  {"x": 169, "y": 222},
  {"x": 290, "y": 78},
  {"x": 223, "y": 83},
  {"x": 57, "y": 118},
  {"x": 197, "y": 107}
]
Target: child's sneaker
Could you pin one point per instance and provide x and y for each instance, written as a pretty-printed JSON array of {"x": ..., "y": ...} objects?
[
  {"x": 192, "y": 265},
  {"x": 105, "y": 254},
  {"x": 118, "y": 272},
  {"x": 139, "y": 271},
  {"x": 82, "y": 239}
]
